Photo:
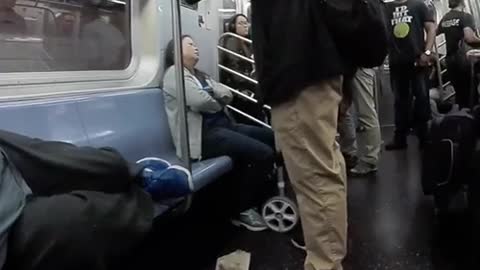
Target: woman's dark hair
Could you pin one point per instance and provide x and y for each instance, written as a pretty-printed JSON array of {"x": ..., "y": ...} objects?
[
  {"x": 170, "y": 52},
  {"x": 231, "y": 27},
  {"x": 170, "y": 57},
  {"x": 455, "y": 3}
]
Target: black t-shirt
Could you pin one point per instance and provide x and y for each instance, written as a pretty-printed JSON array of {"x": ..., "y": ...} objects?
[
  {"x": 452, "y": 26},
  {"x": 406, "y": 24}
]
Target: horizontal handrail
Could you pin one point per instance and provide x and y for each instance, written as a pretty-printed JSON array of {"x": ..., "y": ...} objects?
[
  {"x": 249, "y": 98},
  {"x": 443, "y": 43},
  {"x": 248, "y": 116},
  {"x": 238, "y": 74},
  {"x": 239, "y": 93},
  {"x": 236, "y": 54},
  {"x": 227, "y": 34}
]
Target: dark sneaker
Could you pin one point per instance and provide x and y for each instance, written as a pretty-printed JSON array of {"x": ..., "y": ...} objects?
[
  {"x": 363, "y": 169},
  {"x": 250, "y": 220},
  {"x": 396, "y": 145}
]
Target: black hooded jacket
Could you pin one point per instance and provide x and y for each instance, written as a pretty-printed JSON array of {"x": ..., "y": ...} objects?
[{"x": 292, "y": 46}]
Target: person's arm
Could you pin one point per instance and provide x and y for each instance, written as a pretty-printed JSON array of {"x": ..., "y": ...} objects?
[
  {"x": 221, "y": 93},
  {"x": 197, "y": 99},
  {"x": 470, "y": 36},
  {"x": 468, "y": 33},
  {"x": 426, "y": 56},
  {"x": 430, "y": 29}
]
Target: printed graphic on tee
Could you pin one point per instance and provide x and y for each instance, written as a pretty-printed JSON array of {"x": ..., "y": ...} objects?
[
  {"x": 401, "y": 22},
  {"x": 451, "y": 23}
]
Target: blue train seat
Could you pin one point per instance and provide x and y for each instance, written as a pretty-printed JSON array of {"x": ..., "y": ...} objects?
[{"x": 133, "y": 122}]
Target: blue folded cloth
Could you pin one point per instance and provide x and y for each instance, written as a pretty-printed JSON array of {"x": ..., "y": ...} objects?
[{"x": 164, "y": 181}]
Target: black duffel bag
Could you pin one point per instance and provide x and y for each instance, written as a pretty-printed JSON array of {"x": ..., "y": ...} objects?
[{"x": 52, "y": 167}]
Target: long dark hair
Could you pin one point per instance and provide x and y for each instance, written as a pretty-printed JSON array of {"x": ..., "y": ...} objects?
[
  {"x": 231, "y": 26},
  {"x": 170, "y": 52},
  {"x": 170, "y": 57}
]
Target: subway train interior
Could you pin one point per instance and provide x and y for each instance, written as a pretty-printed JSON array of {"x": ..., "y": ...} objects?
[{"x": 91, "y": 73}]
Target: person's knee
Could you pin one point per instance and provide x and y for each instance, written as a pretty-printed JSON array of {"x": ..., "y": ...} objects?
[{"x": 266, "y": 155}]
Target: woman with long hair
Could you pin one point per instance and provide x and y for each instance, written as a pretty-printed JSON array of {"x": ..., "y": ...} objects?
[{"x": 239, "y": 25}]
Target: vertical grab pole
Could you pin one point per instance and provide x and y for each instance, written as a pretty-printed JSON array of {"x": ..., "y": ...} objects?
[{"x": 179, "y": 76}]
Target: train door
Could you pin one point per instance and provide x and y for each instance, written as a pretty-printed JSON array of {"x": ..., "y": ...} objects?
[{"x": 201, "y": 22}]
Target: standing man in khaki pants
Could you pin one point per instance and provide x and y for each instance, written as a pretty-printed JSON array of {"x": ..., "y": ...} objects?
[{"x": 300, "y": 76}]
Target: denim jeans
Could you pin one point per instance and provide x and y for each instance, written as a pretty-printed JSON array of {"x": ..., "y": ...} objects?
[
  {"x": 252, "y": 150},
  {"x": 243, "y": 143},
  {"x": 408, "y": 82}
]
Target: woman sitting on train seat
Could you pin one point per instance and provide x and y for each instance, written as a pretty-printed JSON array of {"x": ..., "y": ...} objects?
[
  {"x": 212, "y": 133},
  {"x": 239, "y": 25},
  {"x": 459, "y": 29}
]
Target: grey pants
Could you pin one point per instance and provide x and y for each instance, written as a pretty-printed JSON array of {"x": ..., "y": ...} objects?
[{"x": 367, "y": 143}]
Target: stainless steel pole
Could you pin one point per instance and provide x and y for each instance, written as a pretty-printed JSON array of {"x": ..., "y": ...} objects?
[{"x": 177, "y": 37}]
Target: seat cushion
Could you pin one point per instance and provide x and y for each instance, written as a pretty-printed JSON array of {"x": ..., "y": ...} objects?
[{"x": 207, "y": 171}]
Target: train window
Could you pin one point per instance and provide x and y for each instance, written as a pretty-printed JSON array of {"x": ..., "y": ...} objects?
[
  {"x": 64, "y": 35},
  {"x": 229, "y": 4},
  {"x": 190, "y": 6}
]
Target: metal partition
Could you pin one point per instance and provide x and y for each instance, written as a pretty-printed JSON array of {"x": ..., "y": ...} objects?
[{"x": 238, "y": 74}]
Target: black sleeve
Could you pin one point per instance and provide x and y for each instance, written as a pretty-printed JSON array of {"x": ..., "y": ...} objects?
[
  {"x": 426, "y": 13},
  {"x": 468, "y": 21}
]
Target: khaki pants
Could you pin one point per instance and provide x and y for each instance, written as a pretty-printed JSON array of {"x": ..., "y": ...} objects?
[
  {"x": 369, "y": 141},
  {"x": 306, "y": 128}
]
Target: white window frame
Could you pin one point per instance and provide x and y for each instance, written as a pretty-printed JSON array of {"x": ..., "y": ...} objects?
[{"x": 142, "y": 72}]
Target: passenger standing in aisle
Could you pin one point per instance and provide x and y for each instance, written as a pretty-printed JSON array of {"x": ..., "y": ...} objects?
[
  {"x": 300, "y": 74},
  {"x": 368, "y": 140},
  {"x": 410, "y": 56},
  {"x": 459, "y": 28}
]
